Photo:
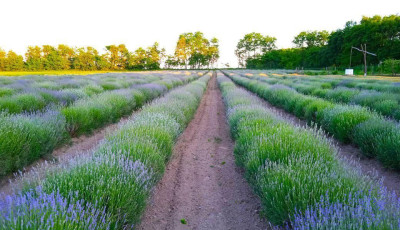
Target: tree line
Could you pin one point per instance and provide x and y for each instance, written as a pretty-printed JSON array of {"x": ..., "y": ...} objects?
[
  {"x": 319, "y": 49},
  {"x": 192, "y": 50}
]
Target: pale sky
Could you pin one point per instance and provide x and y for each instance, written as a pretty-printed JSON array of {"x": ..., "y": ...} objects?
[{"x": 140, "y": 23}]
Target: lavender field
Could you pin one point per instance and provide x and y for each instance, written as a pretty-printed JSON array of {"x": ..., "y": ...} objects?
[{"x": 304, "y": 152}]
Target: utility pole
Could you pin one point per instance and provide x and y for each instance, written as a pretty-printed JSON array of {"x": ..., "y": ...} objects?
[{"x": 365, "y": 52}]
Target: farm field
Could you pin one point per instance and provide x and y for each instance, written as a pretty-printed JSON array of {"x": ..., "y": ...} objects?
[
  {"x": 363, "y": 117},
  {"x": 230, "y": 149},
  {"x": 39, "y": 114}
]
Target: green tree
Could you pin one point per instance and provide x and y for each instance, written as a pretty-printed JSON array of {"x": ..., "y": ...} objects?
[
  {"x": 391, "y": 66},
  {"x": 34, "y": 59},
  {"x": 149, "y": 58},
  {"x": 138, "y": 59},
  {"x": 118, "y": 56},
  {"x": 183, "y": 49},
  {"x": 3, "y": 56},
  {"x": 67, "y": 55},
  {"x": 86, "y": 59},
  {"x": 253, "y": 45},
  {"x": 311, "y": 39},
  {"x": 14, "y": 62},
  {"x": 195, "y": 50},
  {"x": 154, "y": 56},
  {"x": 171, "y": 61},
  {"x": 52, "y": 59}
]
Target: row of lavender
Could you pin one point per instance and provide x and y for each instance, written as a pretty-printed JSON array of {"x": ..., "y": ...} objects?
[
  {"x": 375, "y": 135},
  {"x": 381, "y": 84},
  {"x": 108, "y": 189},
  {"x": 36, "y": 93},
  {"x": 384, "y": 102},
  {"x": 26, "y": 137},
  {"x": 296, "y": 171}
]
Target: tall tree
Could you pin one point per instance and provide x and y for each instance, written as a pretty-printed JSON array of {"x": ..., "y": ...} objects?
[
  {"x": 34, "y": 59},
  {"x": 195, "y": 50},
  {"x": 253, "y": 45},
  {"x": 311, "y": 38},
  {"x": 3, "y": 56},
  {"x": 118, "y": 56},
  {"x": 154, "y": 56},
  {"x": 52, "y": 59},
  {"x": 67, "y": 55},
  {"x": 183, "y": 49},
  {"x": 14, "y": 61},
  {"x": 213, "y": 52},
  {"x": 86, "y": 59}
]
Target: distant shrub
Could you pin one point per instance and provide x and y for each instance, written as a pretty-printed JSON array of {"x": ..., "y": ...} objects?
[
  {"x": 386, "y": 107},
  {"x": 109, "y": 86},
  {"x": 391, "y": 66},
  {"x": 24, "y": 102},
  {"x": 381, "y": 139},
  {"x": 340, "y": 94},
  {"x": 91, "y": 90},
  {"x": 320, "y": 92},
  {"x": 6, "y": 92},
  {"x": 26, "y": 137},
  {"x": 341, "y": 120},
  {"x": 313, "y": 111}
]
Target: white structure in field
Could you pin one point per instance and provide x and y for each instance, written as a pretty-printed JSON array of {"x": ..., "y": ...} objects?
[{"x": 349, "y": 72}]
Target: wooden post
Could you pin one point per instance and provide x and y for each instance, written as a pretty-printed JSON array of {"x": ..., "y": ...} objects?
[
  {"x": 364, "y": 49},
  {"x": 351, "y": 54}
]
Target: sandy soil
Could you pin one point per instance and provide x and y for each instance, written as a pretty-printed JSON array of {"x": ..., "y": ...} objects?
[
  {"x": 78, "y": 145},
  {"x": 202, "y": 186},
  {"x": 368, "y": 166}
]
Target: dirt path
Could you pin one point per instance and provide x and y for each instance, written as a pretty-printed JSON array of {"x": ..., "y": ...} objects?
[
  {"x": 202, "y": 185},
  {"x": 369, "y": 166},
  {"x": 79, "y": 145}
]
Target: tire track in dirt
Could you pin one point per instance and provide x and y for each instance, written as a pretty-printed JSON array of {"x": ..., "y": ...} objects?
[{"x": 202, "y": 184}]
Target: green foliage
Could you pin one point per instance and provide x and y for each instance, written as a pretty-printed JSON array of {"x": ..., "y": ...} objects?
[
  {"x": 10, "y": 61},
  {"x": 311, "y": 38},
  {"x": 319, "y": 49},
  {"x": 253, "y": 45},
  {"x": 195, "y": 50},
  {"x": 88, "y": 58},
  {"x": 391, "y": 66}
]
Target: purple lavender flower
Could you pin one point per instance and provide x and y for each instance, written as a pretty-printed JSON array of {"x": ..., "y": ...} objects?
[
  {"x": 359, "y": 212},
  {"x": 38, "y": 210}
]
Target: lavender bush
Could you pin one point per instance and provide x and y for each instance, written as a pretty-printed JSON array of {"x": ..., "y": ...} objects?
[
  {"x": 358, "y": 212},
  {"x": 39, "y": 210}
]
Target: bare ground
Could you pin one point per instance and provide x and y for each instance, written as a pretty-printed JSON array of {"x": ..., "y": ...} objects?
[
  {"x": 202, "y": 187},
  {"x": 368, "y": 166},
  {"x": 77, "y": 146}
]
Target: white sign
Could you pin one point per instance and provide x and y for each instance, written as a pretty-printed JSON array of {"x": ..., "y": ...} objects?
[{"x": 349, "y": 72}]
